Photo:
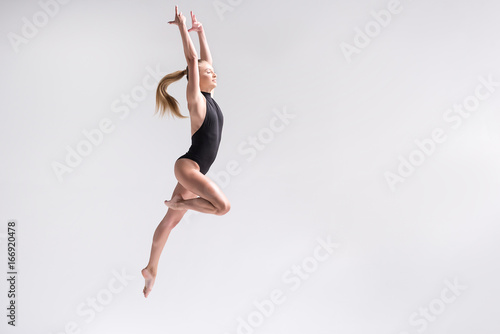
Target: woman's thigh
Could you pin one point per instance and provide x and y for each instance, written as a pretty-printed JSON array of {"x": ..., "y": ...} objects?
[
  {"x": 181, "y": 190},
  {"x": 189, "y": 176}
]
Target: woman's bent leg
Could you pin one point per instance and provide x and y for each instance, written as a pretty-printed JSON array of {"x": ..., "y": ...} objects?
[{"x": 212, "y": 199}]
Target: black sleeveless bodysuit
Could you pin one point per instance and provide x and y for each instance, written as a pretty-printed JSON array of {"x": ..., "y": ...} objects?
[{"x": 205, "y": 141}]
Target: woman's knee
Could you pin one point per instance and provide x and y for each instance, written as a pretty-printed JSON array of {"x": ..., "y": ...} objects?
[{"x": 222, "y": 208}]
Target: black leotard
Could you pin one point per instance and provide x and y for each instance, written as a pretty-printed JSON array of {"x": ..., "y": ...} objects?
[{"x": 205, "y": 141}]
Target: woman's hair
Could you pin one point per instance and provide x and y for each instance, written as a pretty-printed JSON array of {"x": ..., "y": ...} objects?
[{"x": 165, "y": 102}]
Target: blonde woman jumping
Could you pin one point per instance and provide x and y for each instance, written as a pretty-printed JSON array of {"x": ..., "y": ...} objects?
[{"x": 194, "y": 190}]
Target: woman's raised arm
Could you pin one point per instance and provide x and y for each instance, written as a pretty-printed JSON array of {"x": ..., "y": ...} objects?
[
  {"x": 189, "y": 49},
  {"x": 204, "y": 50},
  {"x": 193, "y": 94}
]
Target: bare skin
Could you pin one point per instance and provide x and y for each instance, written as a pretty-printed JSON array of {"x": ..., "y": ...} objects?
[
  {"x": 194, "y": 190},
  {"x": 171, "y": 219},
  {"x": 211, "y": 198}
]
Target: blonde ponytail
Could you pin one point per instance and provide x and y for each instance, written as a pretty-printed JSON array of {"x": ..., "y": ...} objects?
[{"x": 165, "y": 103}]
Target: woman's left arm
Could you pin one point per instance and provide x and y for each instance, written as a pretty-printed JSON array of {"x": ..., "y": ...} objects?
[{"x": 204, "y": 49}]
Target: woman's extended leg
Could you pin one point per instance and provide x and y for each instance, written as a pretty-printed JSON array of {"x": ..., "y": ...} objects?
[
  {"x": 212, "y": 199},
  {"x": 171, "y": 219}
]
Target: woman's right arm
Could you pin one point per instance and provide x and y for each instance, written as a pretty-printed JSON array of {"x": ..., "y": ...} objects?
[
  {"x": 187, "y": 43},
  {"x": 193, "y": 87},
  {"x": 189, "y": 50}
]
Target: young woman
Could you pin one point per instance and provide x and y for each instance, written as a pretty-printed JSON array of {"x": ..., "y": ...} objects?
[{"x": 194, "y": 190}]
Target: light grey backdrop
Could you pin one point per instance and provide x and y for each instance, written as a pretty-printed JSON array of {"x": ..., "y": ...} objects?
[{"x": 370, "y": 208}]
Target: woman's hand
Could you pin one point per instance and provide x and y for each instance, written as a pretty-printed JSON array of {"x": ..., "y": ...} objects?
[
  {"x": 179, "y": 18},
  {"x": 196, "y": 25}
]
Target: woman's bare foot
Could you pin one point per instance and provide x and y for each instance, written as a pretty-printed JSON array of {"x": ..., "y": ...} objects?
[
  {"x": 149, "y": 275},
  {"x": 173, "y": 203}
]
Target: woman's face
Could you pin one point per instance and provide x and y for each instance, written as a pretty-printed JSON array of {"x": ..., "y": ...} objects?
[{"x": 208, "y": 78}]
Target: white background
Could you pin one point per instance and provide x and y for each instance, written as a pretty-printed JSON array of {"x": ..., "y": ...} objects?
[{"x": 322, "y": 176}]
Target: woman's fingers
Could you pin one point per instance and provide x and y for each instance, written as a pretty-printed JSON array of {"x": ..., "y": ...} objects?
[
  {"x": 177, "y": 13},
  {"x": 193, "y": 17},
  {"x": 195, "y": 25},
  {"x": 178, "y": 17}
]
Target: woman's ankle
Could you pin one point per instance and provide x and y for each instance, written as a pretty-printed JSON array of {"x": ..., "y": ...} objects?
[{"x": 151, "y": 269}]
